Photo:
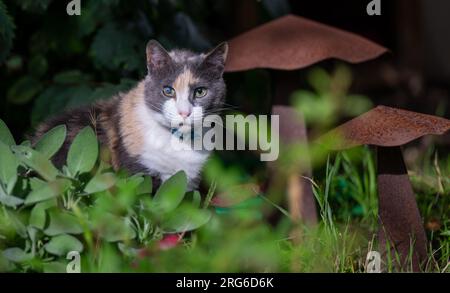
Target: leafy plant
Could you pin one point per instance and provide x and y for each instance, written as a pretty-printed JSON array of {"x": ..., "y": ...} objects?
[{"x": 47, "y": 212}]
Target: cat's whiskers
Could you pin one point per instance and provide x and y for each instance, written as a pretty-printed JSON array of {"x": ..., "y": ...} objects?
[
  {"x": 156, "y": 108},
  {"x": 231, "y": 105}
]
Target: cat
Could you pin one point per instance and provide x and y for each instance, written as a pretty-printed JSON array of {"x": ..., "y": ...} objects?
[{"x": 137, "y": 126}]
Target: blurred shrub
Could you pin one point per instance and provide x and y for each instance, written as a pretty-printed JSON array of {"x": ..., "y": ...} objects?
[
  {"x": 329, "y": 101},
  {"x": 51, "y": 61}
]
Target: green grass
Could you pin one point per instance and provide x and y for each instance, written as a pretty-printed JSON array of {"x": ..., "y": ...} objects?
[{"x": 119, "y": 225}]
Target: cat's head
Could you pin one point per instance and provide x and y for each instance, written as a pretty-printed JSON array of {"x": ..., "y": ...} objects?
[{"x": 183, "y": 87}]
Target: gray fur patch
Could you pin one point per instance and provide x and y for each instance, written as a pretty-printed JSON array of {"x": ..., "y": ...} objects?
[{"x": 206, "y": 69}]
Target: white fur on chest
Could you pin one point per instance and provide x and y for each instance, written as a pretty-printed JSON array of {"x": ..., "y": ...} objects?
[{"x": 164, "y": 154}]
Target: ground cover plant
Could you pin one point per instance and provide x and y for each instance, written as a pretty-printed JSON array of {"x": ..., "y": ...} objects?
[{"x": 117, "y": 224}]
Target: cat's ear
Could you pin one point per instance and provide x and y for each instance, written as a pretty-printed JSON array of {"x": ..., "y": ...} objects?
[
  {"x": 157, "y": 56},
  {"x": 215, "y": 59}
]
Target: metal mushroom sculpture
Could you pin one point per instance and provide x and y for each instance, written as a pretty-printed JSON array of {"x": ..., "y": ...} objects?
[
  {"x": 389, "y": 128},
  {"x": 286, "y": 44}
]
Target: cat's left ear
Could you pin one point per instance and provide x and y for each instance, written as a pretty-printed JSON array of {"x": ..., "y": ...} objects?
[{"x": 215, "y": 59}]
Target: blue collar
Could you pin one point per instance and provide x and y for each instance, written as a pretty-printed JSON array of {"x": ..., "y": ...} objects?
[{"x": 180, "y": 135}]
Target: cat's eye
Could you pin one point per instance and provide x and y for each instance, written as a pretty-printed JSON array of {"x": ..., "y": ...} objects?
[
  {"x": 200, "y": 92},
  {"x": 168, "y": 91}
]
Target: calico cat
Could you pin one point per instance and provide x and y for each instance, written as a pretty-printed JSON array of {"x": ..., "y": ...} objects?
[{"x": 181, "y": 87}]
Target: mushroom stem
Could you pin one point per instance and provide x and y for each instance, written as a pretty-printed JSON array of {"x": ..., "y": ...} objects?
[
  {"x": 401, "y": 230},
  {"x": 301, "y": 201}
]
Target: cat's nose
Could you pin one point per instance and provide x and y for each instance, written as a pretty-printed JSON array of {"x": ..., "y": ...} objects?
[{"x": 184, "y": 114}]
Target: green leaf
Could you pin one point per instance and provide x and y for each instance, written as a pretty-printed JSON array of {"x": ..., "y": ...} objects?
[
  {"x": 38, "y": 66},
  {"x": 14, "y": 219},
  {"x": 36, "y": 161},
  {"x": 62, "y": 244},
  {"x": 58, "y": 97},
  {"x": 71, "y": 77},
  {"x": 6, "y": 32},
  {"x": 196, "y": 199},
  {"x": 83, "y": 152},
  {"x": 34, "y": 6},
  {"x": 171, "y": 193},
  {"x": 9, "y": 200},
  {"x": 32, "y": 231},
  {"x": 37, "y": 217},
  {"x": 54, "y": 267},
  {"x": 316, "y": 109},
  {"x": 113, "y": 228},
  {"x": 51, "y": 203},
  {"x": 36, "y": 183},
  {"x": 16, "y": 254},
  {"x": 100, "y": 182},
  {"x": 5, "y": 135},
  {"x": 319, "y": 79},
  {"x": 6, "y": 265},
  {"x": 131, "y": 183},
  {"x": 127, "y": 250},
  {"x": 51, "y": 142},
  {"x": 115, "y": 48},
  {"x": 355, "y": 105},
  {"x": 107, "y": 90},
  {"x": 186, "y": 218},
  {"x": 23, "y": 90},
  {"x": 79, "y": 96},
  {"x": 8, "y": 167},
  {"x": 62, "y": 223},
  {"x": 14, "y": 63},
  {"x": 146, "y": 186},
  {"x": 48, "y": 191}
]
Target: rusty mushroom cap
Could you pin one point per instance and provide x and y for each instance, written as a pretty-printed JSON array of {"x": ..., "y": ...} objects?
[
  {"x": 385, "y": 126},
  {"x": 293, "y": 42}
]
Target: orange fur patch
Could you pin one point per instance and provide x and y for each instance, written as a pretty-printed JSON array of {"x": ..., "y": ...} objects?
[
  {"x": 183, "y": 81},
  {"x": 107, "y": 123},
  {"x": 129, "y": 125}
]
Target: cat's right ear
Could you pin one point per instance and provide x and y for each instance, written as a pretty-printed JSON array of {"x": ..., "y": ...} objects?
[{"x": 157, "y": 57}]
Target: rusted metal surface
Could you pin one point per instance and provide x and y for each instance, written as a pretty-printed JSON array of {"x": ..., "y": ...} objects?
[
  {"x": 385, "y": 126},
  {"x": 293, "y": 42},
  {"x": 388, "y": 128},
  {"x": 302, "y": 206},
  {"x": 292, "y": 125},
  {"x": 401, "y": 229}
]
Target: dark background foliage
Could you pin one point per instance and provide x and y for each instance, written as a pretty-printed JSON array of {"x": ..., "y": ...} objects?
[{"x": 50, "y": 61}]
